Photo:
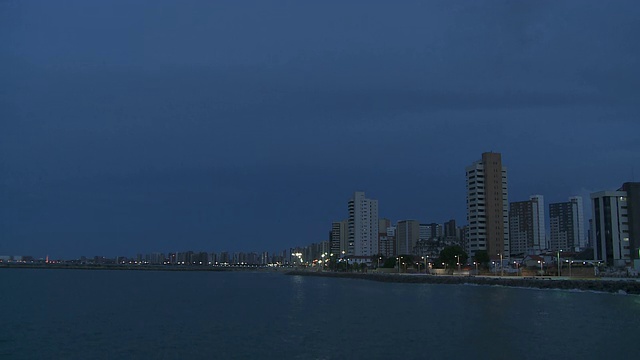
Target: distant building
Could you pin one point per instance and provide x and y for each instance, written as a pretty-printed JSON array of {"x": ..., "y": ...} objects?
[
  {"x": 430, "y": 231},
  {"x": 488, "y": 206},
  {"x": 616, "y": 225},
  {"x": 540, "y": 242},
  {"x": 362, "y": 225},
  {"x": 407, "y": 236},
  {"x": 339, "y": 238},
  {"x": 450, "y": 229},
  {"x": 566, "y": 223},
  {"x": 386, "y": 238},
  {"x": 526, "y": 226}
]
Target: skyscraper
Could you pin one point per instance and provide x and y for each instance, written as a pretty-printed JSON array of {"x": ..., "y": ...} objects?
[
  {"x": 616, "y": 226},
  {"x": 450, "y": 229},
  {"x": 430, "y": 231},
  {"x": 386, "y": 238},
  {"x": 407, "y": 235},
  {"x": 526, "y": 226},
  {"x": 362, "y": 225},
  {"x": 339, "y": 237},
  {"x": 566, "y": 223},
  {"x": 488, "y": 206},
  {"x": 539, "y": 224}
]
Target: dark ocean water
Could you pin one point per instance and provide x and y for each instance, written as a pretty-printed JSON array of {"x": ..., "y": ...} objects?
[{"x": 79, "y": 314}]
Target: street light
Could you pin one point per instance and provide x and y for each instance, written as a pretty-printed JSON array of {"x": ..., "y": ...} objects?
[
  {"x": 476, "y": 264},
  {"x": 541, "y": 269},
  {"x": 517, "y": 268},
  {"x": 501, "y": 267},
  {"x": 559, "y": 261},
  {"x": 458, "y": 256},
  {"x": 379, "y": 258}
]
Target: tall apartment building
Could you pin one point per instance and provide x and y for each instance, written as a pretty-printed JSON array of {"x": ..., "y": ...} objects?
[
  {"x": 488, "y": 206},
  {"x": 616, "y": 226},
  {"x": 339, "y": 238},
  {"x": 450, "y": 229},
  {"x": 540, "y": 240},
  {"x": 527, "y": 226},
  {"x": 362, "y": 225},
  {"x": 407, "y": 235},
  {"x": 431, "y": 231},
  {"x": 386, "y": 238},
  {"x": 566, "y": 223}
]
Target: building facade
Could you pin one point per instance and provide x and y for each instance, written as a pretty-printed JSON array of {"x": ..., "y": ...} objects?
[
  {"x": 566, "y": 223},
  {"x": 616, "y": 226},
  {"x": 339, "y": 237},
  {"x": 362, "y": 226},
  {"x": 386, "y": 238},
  {"x": 521, "y": 228},
  {"x": 527, "y": 226},
  {"x": 540, "y": 241},
  {"x": 407, "y": 236},
  {"x": 430, "y": 231},
  {"x": 487, "y": 206}
]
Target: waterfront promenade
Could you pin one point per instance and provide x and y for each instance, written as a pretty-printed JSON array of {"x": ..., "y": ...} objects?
[{"x": 622, "y": 286}]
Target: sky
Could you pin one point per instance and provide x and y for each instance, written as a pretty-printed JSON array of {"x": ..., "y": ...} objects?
[{"x": 140, "y": 126}]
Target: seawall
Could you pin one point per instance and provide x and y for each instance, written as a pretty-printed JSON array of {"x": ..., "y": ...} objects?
[{"x": 612, "y": 286}]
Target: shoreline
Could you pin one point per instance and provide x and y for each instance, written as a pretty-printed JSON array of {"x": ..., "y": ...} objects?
[
  {"x": 145, "y": 267},
  {"x": 621, "y": 286}
]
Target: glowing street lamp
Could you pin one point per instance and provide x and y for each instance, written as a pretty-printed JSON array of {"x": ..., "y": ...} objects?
[{"x": 559, "y": 251}]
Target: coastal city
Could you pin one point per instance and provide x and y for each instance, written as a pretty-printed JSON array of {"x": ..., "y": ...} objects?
[{"x": 499, "y": 238}]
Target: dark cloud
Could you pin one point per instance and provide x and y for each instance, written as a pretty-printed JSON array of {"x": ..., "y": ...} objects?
[{"x": 164, "y": 126}]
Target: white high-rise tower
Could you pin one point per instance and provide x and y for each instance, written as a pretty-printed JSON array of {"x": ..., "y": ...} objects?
[{"x": 363, "y": 225}]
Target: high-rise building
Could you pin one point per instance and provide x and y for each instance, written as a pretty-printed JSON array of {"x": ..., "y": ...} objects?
[
  {"x": 616, "y": 226},
  {"x": 430, "y": 231},
  {"x": 488, "y": 206},
  {"x": 407, "y": 235},
  {"x": 526, "y": 226},
  {"x": 566, "y": 223},
  {"x": 362, "y": 225},
  {"x": 386, "y": 238},
  {"x": 450, "y": 230},
  {"x": 521, "y": 227},
  {"x": 339, "y": 238},
  {"x": 540, "y": 242}
]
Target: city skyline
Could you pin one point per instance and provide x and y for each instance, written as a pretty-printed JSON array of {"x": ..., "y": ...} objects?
[{"x": 232, "y": 127}]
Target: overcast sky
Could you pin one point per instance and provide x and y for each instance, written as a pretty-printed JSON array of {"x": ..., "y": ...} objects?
[{"x": 141, "y": 126}]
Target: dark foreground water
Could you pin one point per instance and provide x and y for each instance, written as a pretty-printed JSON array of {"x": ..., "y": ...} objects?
[{"x": 67, "y": 314}]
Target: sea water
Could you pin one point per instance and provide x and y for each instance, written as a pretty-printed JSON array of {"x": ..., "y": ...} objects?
[{"x": 91, "y": 314}]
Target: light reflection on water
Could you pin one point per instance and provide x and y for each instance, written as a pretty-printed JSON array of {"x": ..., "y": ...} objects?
[{"x": 111, "y": 314}]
